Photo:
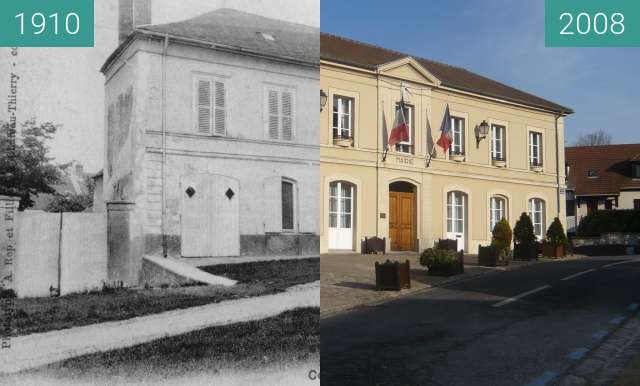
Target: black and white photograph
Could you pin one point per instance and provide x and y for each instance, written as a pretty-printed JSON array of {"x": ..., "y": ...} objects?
[{"x": 160, "y": 198}]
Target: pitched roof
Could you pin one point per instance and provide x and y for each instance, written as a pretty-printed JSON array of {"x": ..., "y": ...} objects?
[
  {"x": 241, "y": 32},
  {"x": 611, "y": 164},
  {"x": 350, "y": 52}
]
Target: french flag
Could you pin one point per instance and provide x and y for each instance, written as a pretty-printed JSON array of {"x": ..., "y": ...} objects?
[
  {"x": 400, "y": 131},
  {"x": 445, "y": 131}
]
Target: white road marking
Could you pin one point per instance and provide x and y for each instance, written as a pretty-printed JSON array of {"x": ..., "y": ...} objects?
[
  {"x": 621, "y": 262},
  {"x": 600, "y": 334},
  {"x": 517, "y": 297},
  {"x": 578, "y": 353},
  {"x": 633, "y": 307},
  {"x": 617, "y": 320},
  {"x": 578, "y": 274}
]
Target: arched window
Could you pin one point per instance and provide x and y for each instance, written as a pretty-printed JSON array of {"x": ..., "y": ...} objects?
[
  {"x": 497, "y": 211},
  {"x": 537, "y": 214}
]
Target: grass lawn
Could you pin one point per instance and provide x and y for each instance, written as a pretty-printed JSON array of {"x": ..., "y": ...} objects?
[
  {"x": 255, "y": 279},
  {"x": 293, "y": 336}
]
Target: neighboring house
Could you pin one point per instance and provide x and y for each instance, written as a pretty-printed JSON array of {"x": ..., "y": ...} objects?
[
  {"x": 601, "y": 177},
  {"x": 212, "y": 135},
  {"x": 73, "y": 181},
  {"x": 518, "y": 167}
]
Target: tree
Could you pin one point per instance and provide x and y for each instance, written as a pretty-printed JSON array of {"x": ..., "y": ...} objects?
[
  {"x": 74, "y": 202},
  {"x": 556, "y": 234},
  {"x": 523, "y": 231},
  {"x": 594, "y": 139},
  {"x": 25, "y": 164}
]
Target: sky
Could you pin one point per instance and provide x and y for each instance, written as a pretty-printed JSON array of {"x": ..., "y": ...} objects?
[
  {"x": 65, "y": 86},
  {"x": 504, "y": 40}
]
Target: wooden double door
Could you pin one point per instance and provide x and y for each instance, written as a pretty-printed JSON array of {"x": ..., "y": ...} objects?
[{"x": 402, "y": 221}]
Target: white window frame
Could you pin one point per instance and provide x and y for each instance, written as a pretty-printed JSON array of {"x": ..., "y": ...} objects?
[
  {"x": 458, "y": 133},
  {"x": 341, "y": 113},
  {"x": 340, "y": 207},
  {"x": 536, "y": 147},
  {"x": 456, "y": 203},
  {"x": 538, "y": 206},
  {"x": 213, "y": 105},
  {"x": 294, "y": 203},
  {"x": 280, "y": 116},
  {"x": 498, "y": 142},
  {"x": 497, "y": 209},
  {"x": 400, "y": 146}
]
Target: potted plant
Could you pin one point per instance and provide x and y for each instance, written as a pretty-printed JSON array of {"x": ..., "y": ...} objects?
[
  {"x": 556, "y": 240},
  {"x": 498, "y": 253},
  {"x": 441, "y": 262},
  {"x": 458, "y": 157},
  {"x": 525, "y": 247}
]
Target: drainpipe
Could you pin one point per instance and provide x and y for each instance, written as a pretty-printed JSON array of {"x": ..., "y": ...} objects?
[
  {"x": 378, "y": 127},
  {"x": 557, "y": 117},
  {"x": 165, "y": 47}
]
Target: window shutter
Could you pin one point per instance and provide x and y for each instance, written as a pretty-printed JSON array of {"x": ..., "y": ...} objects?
[
  {"x": 287, "y": 112},
  {"x": 273, "y": 204},
  {"x": 274, "y": 110},
  {"x": 220, "y": 113},
  {"x": 204, "y": 107}
]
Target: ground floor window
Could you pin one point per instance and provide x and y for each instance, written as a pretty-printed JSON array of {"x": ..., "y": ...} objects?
[
  {"x": 537, "y": 214},
  {"x": 455, "y": 212},
  {"x": 497, "y": 211},
  {"x": 340, "y": 205},
  {"x": 287, "y": 206},
  {"x": 636, "y": 204}
]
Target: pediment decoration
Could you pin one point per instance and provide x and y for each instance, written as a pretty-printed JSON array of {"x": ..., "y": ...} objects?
[{"x": 409, "y": 69}]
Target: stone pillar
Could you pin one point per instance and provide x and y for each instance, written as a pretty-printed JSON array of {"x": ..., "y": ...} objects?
[
  {"x": 125, "y": 244},
  {"x": 8, "y": 239}
]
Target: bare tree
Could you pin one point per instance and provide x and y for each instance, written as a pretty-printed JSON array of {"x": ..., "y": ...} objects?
[{"x": 597, "y": 138}]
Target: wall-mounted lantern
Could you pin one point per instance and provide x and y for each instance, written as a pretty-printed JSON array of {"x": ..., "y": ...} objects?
[
  {"x": 323, "y": 100},
  {"x": 482, "y": 130}
]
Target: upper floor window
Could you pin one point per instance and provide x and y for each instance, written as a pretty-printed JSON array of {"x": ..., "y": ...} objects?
[
  {"x": 457, "y": 135},
  {"x": 635, "y": 170},
  {"x": 211, "y": 115},
  {"x": 537, "y": 214},
  {"x": 591, "y": 173},
  {"x": 280, "y": 106},
  {"x": 406, "y": 147},
  {"x": 288, "y": 205},
  {"x": 342, "y": 117},
  {"x": 498, "y": 142},
  {"x": 535, "y": 149}
]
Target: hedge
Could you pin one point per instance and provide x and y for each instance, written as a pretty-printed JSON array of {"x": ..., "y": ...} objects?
[{"x": 610, "y": 221}]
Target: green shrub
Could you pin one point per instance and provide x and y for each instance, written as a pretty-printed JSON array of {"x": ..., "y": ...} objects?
[
  {"x": 436, "y": 258},
  {"x": 555, "y": 233},
  {"x": 502, "y": 236},
  {"x": 610, "y": 221},
  {"x": 523, "y": 231}
]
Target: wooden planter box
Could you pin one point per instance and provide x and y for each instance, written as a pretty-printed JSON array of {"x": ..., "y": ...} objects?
[
  {"x": 393, "y": 276},
  {"x": 551, "y": 250},
  {"x": 488, "y": 256},
  {"x": 447, "y": 245},
  {"x": 373, "y": 245},
  {"x": 525, "y": 252}
]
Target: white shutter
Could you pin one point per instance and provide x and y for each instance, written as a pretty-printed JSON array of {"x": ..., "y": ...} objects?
[
  {"x": 287, "y": 116},
  {"x": 274, "y": 111},
  {"x": 273, "y": 204},
  {"x": 204, "y": 107},
  {"x": 220, "y": 106}
]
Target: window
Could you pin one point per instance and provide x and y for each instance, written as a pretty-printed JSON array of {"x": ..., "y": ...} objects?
[
  {"x": 498, "y": 143},
  {"x": 406, "y": 147},
  {"x": 636, "y": 204},
  {"x": 340, "y": 205},
  {"x": 455, "y": 212},
  {"x": 497, "y": 211},
  {"x": 280, "y": 107},
  {"x": 592, "y": 173},
  {"x": 287, "y": 206},
  {"x": 211, "y": 113},
  {"x": 457, "y": 134},
  {"x": 535, "y": 149},
  {"x": 342, "y": 117},
  {"x": 537, "y": 214},
  {"x": 635, "y": 170}
]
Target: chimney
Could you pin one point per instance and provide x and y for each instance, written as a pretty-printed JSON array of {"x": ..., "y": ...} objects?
[{"x": 131, "y": 14}]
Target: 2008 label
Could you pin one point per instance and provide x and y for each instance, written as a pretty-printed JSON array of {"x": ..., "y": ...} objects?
[{"x": 585, "y": 24}]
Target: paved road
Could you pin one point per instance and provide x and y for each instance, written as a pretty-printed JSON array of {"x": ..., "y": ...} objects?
[{"x": 481, "y": 332}]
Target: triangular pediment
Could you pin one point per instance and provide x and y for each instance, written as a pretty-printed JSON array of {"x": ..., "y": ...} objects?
[{"x": 408, "y": 69}]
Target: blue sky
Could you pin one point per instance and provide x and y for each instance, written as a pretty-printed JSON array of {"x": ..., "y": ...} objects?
[{"x": 504, "y": 40}]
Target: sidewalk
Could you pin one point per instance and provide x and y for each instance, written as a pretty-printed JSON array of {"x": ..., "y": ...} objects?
[
  {"x": 348, "y": 280},
  {"x": 40, "y": 349}
]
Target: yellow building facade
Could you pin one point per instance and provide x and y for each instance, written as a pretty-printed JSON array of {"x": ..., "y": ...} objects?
[{"x": 408, "y": 196}]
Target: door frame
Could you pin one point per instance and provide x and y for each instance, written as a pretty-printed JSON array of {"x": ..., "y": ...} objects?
[{"x": 414, "y": 219}]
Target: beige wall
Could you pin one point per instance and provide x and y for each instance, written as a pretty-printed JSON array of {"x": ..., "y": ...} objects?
[
  {"x": 627, "y": 197},
  {"x": 374, "y": 104}
]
